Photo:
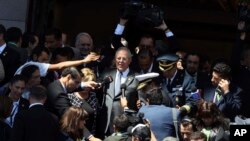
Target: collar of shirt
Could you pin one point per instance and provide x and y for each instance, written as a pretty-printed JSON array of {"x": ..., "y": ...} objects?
[
  {"x": 124, "y": 75},
  {"x": 2, "y": 48},
  {"x": 149, "y": 70},
  {"x": 16, "y": 103},
  {"x": 64, "y": 88},
  {"x": 172, "y": 78},
  {"x": 33, "y": 104}
]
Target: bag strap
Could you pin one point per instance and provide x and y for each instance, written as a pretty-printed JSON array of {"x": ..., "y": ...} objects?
[{"x": 174, "y": 115}]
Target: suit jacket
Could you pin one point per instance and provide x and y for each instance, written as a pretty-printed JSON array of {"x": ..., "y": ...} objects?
[
  {"x": 112, "y": 101},
  {"x": 58, "y": 100},
  {"x": 5, "y": 131},
  {"x": 176, "y": 83},
  {"x": 21, "y": 51},
  {"x": 229, "y": 104},
  {"x": 23, "y": 103},
  {"x": 11, "y": 61},
  {"x": 35, "y": 124}
]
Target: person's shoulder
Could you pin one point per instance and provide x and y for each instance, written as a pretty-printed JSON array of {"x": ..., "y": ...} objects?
[{"x": 116, "y": 138}]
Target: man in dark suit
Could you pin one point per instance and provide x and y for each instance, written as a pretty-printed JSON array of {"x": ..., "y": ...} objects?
[
  {"x": 10, "y": 58},
  {"x": 14, "y": 41},
  {"x": 14, "y": 91},
  {"x": 172, "y": 81},
  {"x": 224, "y": 93},
  {"x": 121, "y": 75},
  {"x": 145, "y": 62},
  {"x": 58, "y": 90},
  {"x": 35, "y": 124}
]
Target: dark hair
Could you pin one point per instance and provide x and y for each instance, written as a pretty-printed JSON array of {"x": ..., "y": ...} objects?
[
  {"x": 70, "y": 121},
  {"x": 29, "y": 70},
  {"x": 18, "y": 77},
  {"x": 223, "y": 70},
  {"x": 148, "y": 36},
  {"x": 143, "y": 53},
  {"x": 54, "y": 31},
  {"x": 142, "y": 132},
  {"x": 198, "y": 135},
  {"x": 193, "y": 54},
  {"x": 65, "y": 51},
  {"x": 38, "y": 51},
  {"x": 28, "y": 38},
  {"x": 155, "y": 96},
  {"x": 72, "y": 71},
  {"x": 38, "y": 92},
  {"x": 210, "y": 110},
  {"x": 13, "y": 34},
  {"x": 186, "y": 121},
  {"x": 121, "y": 123},
  {"x": 5, "y": 106}
]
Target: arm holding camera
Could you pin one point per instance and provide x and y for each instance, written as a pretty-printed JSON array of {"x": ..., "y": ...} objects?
[
  {"x": 165, "y": 28},
  {"x": 116, "y": 39}
]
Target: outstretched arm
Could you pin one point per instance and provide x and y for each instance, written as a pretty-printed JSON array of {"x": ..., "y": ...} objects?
[{"x": 61, "y": 65}]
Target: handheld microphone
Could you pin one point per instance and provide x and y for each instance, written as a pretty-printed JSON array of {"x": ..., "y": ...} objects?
[
  {"x": 106, "y": 80},
  {"x": 123, "y": 88}
]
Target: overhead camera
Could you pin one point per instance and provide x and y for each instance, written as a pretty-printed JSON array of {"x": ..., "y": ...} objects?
[{"x": 143, "y": 14}]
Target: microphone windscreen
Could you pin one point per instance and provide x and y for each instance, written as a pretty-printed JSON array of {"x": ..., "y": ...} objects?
[
  {"x": 123, "y": 86},
  {"x": 108, "y": 79}
]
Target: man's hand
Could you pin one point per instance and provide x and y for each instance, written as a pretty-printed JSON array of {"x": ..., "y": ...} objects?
[
  {"x": 163, "y": 26},
  {"x": 92, "y": 138},
  {"x": 138, "y": 104},
  {"x": 123, "y": 21},
  {"x": 224, "y": 85},
  {"x": 124, "y": 102},
  {"x": 91, "y": 57},
  {"x": 91, "y": 84}
]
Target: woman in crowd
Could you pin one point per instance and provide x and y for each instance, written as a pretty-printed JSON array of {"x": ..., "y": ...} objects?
[
  {"x": 87, "y": 95},
  {"x": 72, "y": 124},
  {"x": 211, "y": 122}
]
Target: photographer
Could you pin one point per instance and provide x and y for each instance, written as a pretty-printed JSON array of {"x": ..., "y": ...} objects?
[
  {"x": 147, "y": 19},
  {"x": 120, "y": 125},
  {"x": 162, "y": 123}
]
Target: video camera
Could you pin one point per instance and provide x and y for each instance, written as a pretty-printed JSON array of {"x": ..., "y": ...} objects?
[{"x": 144, "y": 14}]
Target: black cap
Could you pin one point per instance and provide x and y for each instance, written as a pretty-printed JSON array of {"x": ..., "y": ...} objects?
[{"x": 167, "y": 61}]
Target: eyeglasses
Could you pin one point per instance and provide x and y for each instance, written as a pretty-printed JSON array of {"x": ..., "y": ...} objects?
[{"x": 85, "y": 44}]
